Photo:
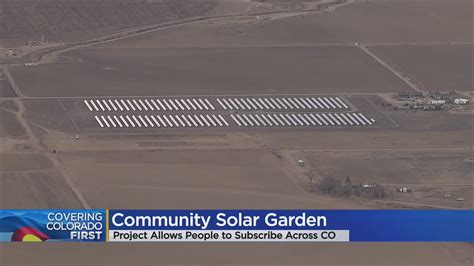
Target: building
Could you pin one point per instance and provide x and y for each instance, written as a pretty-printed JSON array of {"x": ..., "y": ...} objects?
[{"x": 410, "y": 94}]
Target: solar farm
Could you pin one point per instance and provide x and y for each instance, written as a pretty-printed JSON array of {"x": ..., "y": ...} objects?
[
  {"x": 216, "y": 104},
  {"x": 230, "y": 112}
]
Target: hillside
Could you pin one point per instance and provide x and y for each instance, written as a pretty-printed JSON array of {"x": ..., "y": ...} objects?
[{"x": 26, "y": 18}]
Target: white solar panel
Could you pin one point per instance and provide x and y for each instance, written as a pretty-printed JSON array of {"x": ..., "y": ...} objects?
[
  {"x": 185, "y": 104},
  {"x": 118, "y": 104},
  {"x": 130, "y": 121},
  {"x": 192, "y": 121},
  {"x": 191, "y": 104},
  {"x": 235, "y": 120},
  {"x": 88, "y": 106},
  {"x": 98, "y": 121},
  {"x": 198, "y": 120},
  {"x": 223, "y": 120},
  {"x": 269, "y": 103},
  {"x": 105, "y": 121},
  {"x": 342, "y": 103},
  {"x": 123, "y": 121},
  {"x": 281, "y": 103},
  {"x": 143, "y": 105},
  {"x": 203, "y": 104},
  {"x": 263, "y": 104},
  {"x": 118, "y": 122},
  {"x": 205, "y": 121},
  {"x": 143, "y": 121},
  {"x": 210, "y": 104},
  {"x": 161, "y": 120},
  {"x": 136, "y": 104},
  {"x": 100, "y": 105},
  {"x": 238, "y": 103},
  {"x": 149, "y": 121},
  {"x": 106, "y": 105}
]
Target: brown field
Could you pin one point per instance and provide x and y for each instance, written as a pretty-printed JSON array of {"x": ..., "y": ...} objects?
[
  {"x": 374, "y": 22},
  {"x": 9, "y": 125},
  {"x": 439, "y": 254},
  {"x": 35, "y": 190},
  {"x": 188, "y": 179},
  {"x": 21, "y": 18},
  {"x": 5, "y": 89},
  {"x": 430, "y": 174},
  {"x": 452, "y": 63},
  {"x": 209, "y": 71},
  {"x": 43, "y": 164}
]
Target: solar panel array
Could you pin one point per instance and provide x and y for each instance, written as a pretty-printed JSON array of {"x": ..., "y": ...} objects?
[
  {"x": 151, "y": 121},
  {"x": 198, "y": 112},
  {"x": 301, "y": 120},
  {"x": 281, "y": 103},
  {"x": 133, "y": 104}
]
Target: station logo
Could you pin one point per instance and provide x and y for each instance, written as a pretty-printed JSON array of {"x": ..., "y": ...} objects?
[{"x": 52, "y": 225}]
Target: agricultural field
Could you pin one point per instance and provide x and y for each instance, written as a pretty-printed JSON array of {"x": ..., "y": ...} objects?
[
  {"x": 419, "y": 62},
  {"x": 188, "y": 179},
  {"x": 187, "y": 117},
  {"x": 23, "y": 18},
  {"x": 374, "y": 22},
  {"x": 141, "y": 72}
]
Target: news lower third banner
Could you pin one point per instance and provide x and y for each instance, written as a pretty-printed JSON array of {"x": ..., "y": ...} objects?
[{"x": 237, "y": 225}]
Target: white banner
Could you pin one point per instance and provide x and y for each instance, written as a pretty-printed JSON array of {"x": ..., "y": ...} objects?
[{"x": 228, "y": 235}]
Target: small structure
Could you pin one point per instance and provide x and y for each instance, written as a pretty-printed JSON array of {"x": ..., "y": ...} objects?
[
  {"x": 403, "y": 190},
  {"x": 410, "y": 94},
  {"x": 432, "y": 107},
  {"x": 300, "y": 163},
  {"x": 438, "y": 95},
  {"x": 438, "y": 102},
  {"x": 461, "y": 101}
]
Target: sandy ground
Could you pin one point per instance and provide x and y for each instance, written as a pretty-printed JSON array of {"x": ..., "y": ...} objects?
[
  {"x": 5, "y": 90},
  {"x": 209, "y": 71},
  {"x": 241, "y": 254},
  {"x": 452, "y": 62},
  {"x": 237, "y": 169},
  {"x": 9, "y": 125},
  {"x": 366, "y": 22},
  {"x": 189, "y": 179}
]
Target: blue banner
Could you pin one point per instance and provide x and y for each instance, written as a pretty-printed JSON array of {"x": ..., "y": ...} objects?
[
  {"x": 238, "y": 225},
  {"x": 52, "y": 225},
  {"x": 363, "y": 225}
]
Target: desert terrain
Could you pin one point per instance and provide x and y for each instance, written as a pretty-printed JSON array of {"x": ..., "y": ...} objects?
[{"x": 178, "y": 71}]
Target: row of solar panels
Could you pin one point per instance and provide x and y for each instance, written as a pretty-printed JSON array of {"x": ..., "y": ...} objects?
[
  {"x": 302, "y": 119},
  {"x": 272, "y": 103},
  {"x": 148, "y": 104},
  {"x": 241, "y": 120},
  {"x": 126, "y": 121},
  {"x": 201, "y": 104}
]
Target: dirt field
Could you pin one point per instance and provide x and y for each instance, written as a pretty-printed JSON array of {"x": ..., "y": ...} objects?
[
  {"x": 241, "y": 254},
  {"x": 35, "y": 190},
  {"x": 9, "y": 125},
  {"x": 209, "y": 71},
  {"x": 453, "y": 63},
  {"x": 391, "y": 21},
  {"x": 44, "y": 165},
  {"x": 431, "y": 175},
  {"x": 30, "y": 181},
  {"x": 59, "y": 16},
  {"x": 188, "y": 179},
  {"x": 5, "y": 89}
]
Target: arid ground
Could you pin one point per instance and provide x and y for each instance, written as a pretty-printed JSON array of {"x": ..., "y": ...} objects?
[{"x": 55, "y": 155}]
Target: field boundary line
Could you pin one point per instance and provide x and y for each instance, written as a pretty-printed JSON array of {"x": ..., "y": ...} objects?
[
  {"x": 380, "y": 110},
  {"x": 389, "y": 68},
  {"x": 68, "y": 114}
]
